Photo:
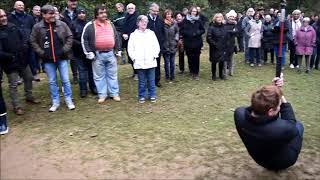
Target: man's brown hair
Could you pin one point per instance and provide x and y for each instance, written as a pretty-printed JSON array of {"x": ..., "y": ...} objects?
[{"x": 266, "y": 98}]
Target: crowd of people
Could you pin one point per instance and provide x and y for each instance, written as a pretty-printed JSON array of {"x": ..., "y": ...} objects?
[{"x": 48, "y": 40}]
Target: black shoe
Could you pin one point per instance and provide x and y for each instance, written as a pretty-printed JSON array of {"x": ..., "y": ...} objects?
[
  {"x": 158, "y": 85},
  {"x": 223, "y": 77},
  {"x": 83, "y": 94},
  {"x": 94, "y": 91},
  {"x": 75, "y": 80},
  {"x": 214, "y": 78}
]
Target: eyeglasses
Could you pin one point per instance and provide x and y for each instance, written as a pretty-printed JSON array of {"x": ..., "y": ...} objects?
[
  {"x": 130, "y": 8},
  {"x": 3, "y": 16}
]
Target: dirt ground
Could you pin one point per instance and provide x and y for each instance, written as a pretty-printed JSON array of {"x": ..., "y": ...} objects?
[{"x": 21, "y": 160}]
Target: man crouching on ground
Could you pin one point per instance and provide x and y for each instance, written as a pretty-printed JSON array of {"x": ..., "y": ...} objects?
[{"x": 269, "y": 129}]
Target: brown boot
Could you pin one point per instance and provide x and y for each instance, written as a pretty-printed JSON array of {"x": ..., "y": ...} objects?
[{"x": 32, "y": 101}]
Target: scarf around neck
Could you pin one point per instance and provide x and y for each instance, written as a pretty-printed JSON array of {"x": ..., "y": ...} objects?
[{"x": 192, "y": 19}]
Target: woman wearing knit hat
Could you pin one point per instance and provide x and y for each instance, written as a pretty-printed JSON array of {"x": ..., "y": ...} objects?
[{"x": 232, "y": 32}]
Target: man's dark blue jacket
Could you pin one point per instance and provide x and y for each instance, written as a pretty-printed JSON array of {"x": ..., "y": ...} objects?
[{"x": 273, "y": 142}]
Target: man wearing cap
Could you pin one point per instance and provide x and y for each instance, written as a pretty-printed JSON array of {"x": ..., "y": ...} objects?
[
  {"x": 52, "y": 40},
  {"x": 99, "y": 39},
  {"x": 84, "y": 65},
  {"x": 68, "y": 16}
]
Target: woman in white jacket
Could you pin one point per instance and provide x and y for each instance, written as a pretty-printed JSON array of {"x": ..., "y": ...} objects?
[{"x": 143, "y": 49}]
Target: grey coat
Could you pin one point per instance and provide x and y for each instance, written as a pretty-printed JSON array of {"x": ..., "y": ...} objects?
[{"x": 171, "y": 38}]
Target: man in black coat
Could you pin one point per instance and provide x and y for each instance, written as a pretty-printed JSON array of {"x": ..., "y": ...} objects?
[
  {"x": 269, "y": 129},
  {"x": 69, "y": 15},
  {"x": 13, "y": 50},
  {"x": 156, "y": 25},
  {"x": 129, "y": 26},
  {"x": 24, "y": 22},
  {"x": 118, "y": 21},
  {"x": 84, "y": 65}
]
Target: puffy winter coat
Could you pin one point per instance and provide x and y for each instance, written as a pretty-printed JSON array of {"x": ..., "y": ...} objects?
[
  {"x": 268, "y": 36},
  {"x": 305, "y": 40},
  {"x": 216, "y": 38},
  {"x": 143, "y": 49},
  {"x": 171, "y": 38},
  {"x": 192, "y": 34},
  {"x": 254, "y": 32}
]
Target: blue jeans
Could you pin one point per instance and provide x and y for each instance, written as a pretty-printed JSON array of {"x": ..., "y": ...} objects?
[
  {"x": 256, "y": 52},
  {"x": 276, "y": 51},
  {"x": 105, "y": 74},
  {"x": 85, "y": 74},
  {"x": 146, "y": 77},
  {"x": 51, "y": 70},
  {"x": 169, "y": 65}
]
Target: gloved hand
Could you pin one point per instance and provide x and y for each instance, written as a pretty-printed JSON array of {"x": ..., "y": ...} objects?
[{"x": 90, "y": 56}]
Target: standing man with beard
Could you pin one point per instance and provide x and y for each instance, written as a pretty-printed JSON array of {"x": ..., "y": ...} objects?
[
  {"x": 69, "y": 15},
  {"x": 118, "y": 22},
  {"x": 156, "y": 25}
]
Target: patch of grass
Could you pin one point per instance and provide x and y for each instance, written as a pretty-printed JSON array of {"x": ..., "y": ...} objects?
[{"x": 190, "y": 126}]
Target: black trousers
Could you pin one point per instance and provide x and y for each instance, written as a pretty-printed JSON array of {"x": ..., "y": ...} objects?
[
  {"x": 214, "y": 69},
  {"x": 131, "y": 62},
  {"x": 240, "y": 43},
  {"x": 293, "y": 57},
  {"x": 158, "y": 70},
  {"x": 194, "y": 60},
  {"x": 74, "y": 66},
  {"x": 315, "y": 59},
  {"x": 265, "y": 54},
  {"x": 3, "y": 108},
  {"x": 181, "y": 59}
]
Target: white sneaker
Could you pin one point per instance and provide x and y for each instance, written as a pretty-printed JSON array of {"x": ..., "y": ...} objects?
[
  {"x": 71, "y": 106},
  {"x": 297, "y": 66},
  {"x": 54, "y": 108},
  {"x": 136, "y": 77},
  {"x": 4, "y": 131},
  {"x": 291, "y": 66}
]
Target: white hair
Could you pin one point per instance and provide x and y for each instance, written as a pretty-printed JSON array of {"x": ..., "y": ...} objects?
[
  {"x": 297, "y": 11},
  {"x": 131, "y": 5},
  {"x": 251, "y": 11},
  {"x": 153, "y": 5},
  {"x": 307, "y": 19},
  {"x": 268, "y": 17},
  {"x": 141, "y": 17}
]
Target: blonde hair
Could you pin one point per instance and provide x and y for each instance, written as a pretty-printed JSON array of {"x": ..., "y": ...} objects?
[{"x": 216, "y": 16}]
